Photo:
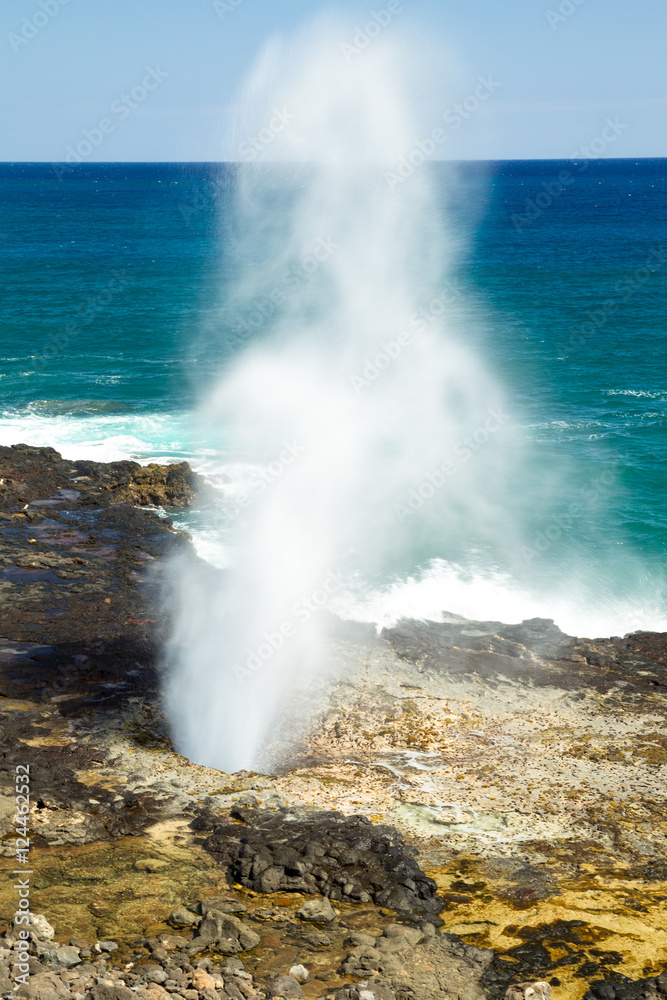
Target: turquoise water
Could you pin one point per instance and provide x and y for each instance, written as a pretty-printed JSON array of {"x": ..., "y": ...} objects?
[{"x": 115, "y": 321}]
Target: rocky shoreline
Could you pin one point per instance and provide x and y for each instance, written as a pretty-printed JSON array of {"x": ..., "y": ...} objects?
[{"x": 475, "y": 805}]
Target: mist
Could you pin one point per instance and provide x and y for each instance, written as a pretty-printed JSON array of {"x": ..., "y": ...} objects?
[{"x": 352, "y": 389}]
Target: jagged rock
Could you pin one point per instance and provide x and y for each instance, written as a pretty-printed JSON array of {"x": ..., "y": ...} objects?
[
  {"x": 359, "y": 940},
  {"x": 314, "y": 938},
  {"x": 364, "y": 961},
  {"x": 233, "y": 965},
  {"x": 651, "y": 989},
  {"x": 224, "y": 933},
  {"x": 342, "y": 857},
  {"x": 106, "y": 946},
  {"x": 439, "y": 966},
  {"x": 397, "y": 938},
  {"x": 284, "y": 986}
]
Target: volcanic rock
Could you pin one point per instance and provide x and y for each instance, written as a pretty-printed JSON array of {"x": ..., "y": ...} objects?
[
  {"x": 284, "y": 986},
  {"x": 342, "y": 857}
]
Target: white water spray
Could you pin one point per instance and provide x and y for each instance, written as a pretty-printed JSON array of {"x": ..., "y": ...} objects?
[{"x": 380, "y": 430}]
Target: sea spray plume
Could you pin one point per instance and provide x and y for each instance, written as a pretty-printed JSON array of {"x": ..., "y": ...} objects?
[{"x": 247, "y": 648}]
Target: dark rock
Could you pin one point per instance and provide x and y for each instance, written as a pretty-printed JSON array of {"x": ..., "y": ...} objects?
[
  {"x": 328, "y": 854},
  {"x": 101, "y": 992},
  {"x": 80, "y": 630},
  {"x": 154, "y": 974},
  {"x": 488, "y": 649},
  {"x": 316, "y": 939},
  {"x": 627, "y": 989},
  {"x": 182, "y": 917},
  {"x": 284, "y": 986},
  {"x": 233, "y": 964},
  {"x": 153, "y": 485},
  {"x": 224, "y": 933}
]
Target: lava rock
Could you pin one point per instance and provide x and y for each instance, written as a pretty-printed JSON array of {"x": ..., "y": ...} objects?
[
  {"x": 182, "y": 917},
  {"x": 154, "y": 485},
  {"x": 629, "y": 990},
  {"x": 325, "y": 853},
  {"x": 224, "y": 933},
  {"x": 284, "y": 986}
]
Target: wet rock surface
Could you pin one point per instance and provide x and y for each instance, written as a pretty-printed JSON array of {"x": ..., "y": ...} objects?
[
  {"x": 401, "y": 962},
  {"x": 78, "y": 575},
  {"x": 78, "y": 567}
]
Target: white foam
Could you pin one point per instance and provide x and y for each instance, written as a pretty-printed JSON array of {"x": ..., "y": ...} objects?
[
  {"x": 444, "y": 588},
  {"x": 638, "y": 393},
  {"x": 102, "y": 438}
]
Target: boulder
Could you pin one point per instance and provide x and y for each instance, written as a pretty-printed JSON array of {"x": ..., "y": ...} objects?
[
  {"x": 284, "y": 986},
  {"x": 104, "y": 992},
  {"x": 182, "y": 917},
  {"x": 224, "y": 933},
  {"x": 317, "y": 911}
]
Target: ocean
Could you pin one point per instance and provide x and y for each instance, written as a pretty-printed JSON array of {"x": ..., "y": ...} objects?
[{"x": 116, "y": 282}]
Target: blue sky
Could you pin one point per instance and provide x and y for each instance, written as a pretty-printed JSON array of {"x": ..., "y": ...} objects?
[{"x": 565, "y": 68}]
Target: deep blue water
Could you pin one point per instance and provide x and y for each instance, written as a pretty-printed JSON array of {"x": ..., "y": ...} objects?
[{"x": 114, "y": 323}]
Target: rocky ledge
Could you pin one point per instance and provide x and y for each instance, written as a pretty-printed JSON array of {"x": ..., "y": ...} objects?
[{"x": 495, "y": 794}]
